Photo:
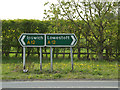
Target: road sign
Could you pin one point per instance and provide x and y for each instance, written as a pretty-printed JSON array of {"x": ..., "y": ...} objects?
[
  {"x": 61, "y": 40},
  {"x": 49, "y": 40},
  {"x": 32, "y": 40}
]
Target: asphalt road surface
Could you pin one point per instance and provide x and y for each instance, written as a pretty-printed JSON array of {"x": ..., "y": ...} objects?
[{"x": 60, "y": 84}]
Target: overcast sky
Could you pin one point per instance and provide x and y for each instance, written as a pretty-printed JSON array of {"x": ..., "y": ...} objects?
[{"x": 23, "y": 9}]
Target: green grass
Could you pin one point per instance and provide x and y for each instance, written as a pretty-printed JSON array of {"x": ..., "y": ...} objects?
[{"x": 12, "y": 69}]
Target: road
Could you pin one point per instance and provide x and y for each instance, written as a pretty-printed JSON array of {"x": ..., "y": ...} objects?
[{"x": 60, "y": 84}]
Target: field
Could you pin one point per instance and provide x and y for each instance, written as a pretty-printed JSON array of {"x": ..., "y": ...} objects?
[{"x": 12, "y": 69}]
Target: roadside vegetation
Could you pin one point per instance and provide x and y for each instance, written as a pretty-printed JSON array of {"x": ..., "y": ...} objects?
[{"x": 12, "y": 69}]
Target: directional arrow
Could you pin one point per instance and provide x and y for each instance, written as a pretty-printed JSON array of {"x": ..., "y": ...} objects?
[
  {"x": 73, "y": 40},
  {"x": 61, "y": 40},
  {"x": 22, "y": 40}
]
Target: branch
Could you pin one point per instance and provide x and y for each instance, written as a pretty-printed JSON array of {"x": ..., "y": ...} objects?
[
  {"x": 107, "y": 10},
  {"x": 104, "y": 5},
  {"x": 68, "y": 15},
  {"x": 86, "y": 35},
  {"x": 90, "y": 12},
  {"x": 96, "y": 5},
  {"x": 79, "y": 13},
  {"x": 105, "y": 25},
  {"x": 91, "y": 15},
  {"x": 104, "y": 40},
  {"x": 94, "y": 35}
]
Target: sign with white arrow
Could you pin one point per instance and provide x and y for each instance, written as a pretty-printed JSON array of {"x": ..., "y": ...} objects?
[
  {"x": 32, "y": 40},
  {"x": 48, "y": 40},
  {"x": 60, "y": 40}
]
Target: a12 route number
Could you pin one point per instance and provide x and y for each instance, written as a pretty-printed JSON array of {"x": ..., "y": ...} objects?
[{"x": 31, "y": 42}]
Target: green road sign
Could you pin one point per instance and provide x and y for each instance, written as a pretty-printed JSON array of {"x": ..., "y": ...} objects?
[
  {"x": 61, "y": 40},
  {"x": 32, "y": 40},
  {"x": 48, "y": 40}
]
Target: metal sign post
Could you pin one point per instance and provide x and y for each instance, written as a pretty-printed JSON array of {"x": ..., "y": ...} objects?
[
  {"x": 24, "y": 58},
  {"x": 24, "y": 70},
  {"x": 71, "y": 57},
  {"x": 51, "y": 59},
  {"x": 40, "y": 59}
]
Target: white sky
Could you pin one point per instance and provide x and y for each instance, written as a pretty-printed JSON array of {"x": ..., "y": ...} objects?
[{"x": 23, "y": 9}]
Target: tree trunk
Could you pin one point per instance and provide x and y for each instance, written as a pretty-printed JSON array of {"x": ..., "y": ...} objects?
[
  {"x": 100, "y": 52},
  {"x": 46, "y": 53},
  {"x": 28, "y": 54},
  {"x": 7, "y": 51},
  {"x": 79, "y": 53},
  {"x": 116, "y": 52},
  {"x": 17, "y": 51},
  {"x": 64, "y": 53},
  {"x": 110, "y": 52},
  {"x": 73, "y": 52},
  {"x": 57, "y": 51},
  {"x": 78, "y": 46},
  {"x": 100, "y": 55},
  {"x": 53, "y": 51},
  {"x": 69, "y": 56},
  {"x": 100, "y": 43},
  {"x": 107, "y": 56},
  {"x": 87, "y": 52},
  {"x": 22, "y": 52},
  {"x": 38, "y": 52},
  {"x": 7, "y": 54},
  {"x": 87, "y": 43}
]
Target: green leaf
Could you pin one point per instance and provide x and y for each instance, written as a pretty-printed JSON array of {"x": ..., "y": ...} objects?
[
  {"x": 81, "y": 12},
  {"x": 46, "y": 3}
]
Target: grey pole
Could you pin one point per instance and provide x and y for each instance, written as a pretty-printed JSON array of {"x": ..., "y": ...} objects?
[
  {"x": 23, "y": 58},
  {"x": 71, "y": 57},
  {"x": 40, "y": 59},
  {"x": 51, "y": 59}
]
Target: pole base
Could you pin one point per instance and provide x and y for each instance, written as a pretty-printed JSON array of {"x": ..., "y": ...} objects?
[{"x": 25, "y": 70}]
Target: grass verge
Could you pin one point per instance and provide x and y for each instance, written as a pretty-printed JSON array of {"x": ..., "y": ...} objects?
[{"x": 12, "y": 69}]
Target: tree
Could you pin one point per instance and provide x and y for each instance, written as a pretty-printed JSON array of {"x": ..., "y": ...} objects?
[{"x": 96, "y": 16}]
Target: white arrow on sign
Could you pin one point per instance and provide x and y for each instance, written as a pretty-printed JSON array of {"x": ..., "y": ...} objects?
[
  {"x": 73, "y": 40},
  {"x": 23, "y": 39}
]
